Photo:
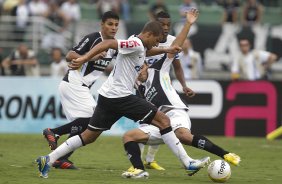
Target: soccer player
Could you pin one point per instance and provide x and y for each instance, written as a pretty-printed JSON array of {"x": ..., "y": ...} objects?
[
  {"x": 158, "y": 90},
  {"x": 164, "y": 19},
  {"x": 76, "y": 98},
  {"x": 116, "y": 97}
]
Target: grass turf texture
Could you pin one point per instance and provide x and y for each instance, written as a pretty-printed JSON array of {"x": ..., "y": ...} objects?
[{"x": 103, "y": 162}]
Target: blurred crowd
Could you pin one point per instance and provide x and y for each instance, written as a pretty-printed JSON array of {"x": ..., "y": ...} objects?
[{"x": 64, "y": 13}]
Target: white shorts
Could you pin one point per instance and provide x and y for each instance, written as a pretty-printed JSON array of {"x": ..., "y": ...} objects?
[
  {"x": 179, "y": 118},
  {"x": 77, "y": 101}
]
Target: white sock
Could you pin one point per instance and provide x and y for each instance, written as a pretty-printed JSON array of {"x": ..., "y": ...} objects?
[
  {"x": 142, "y": 147},
  {"x": 152, "y": 150},
  {"x": 68, "y": 146},
  {"x": 175, "y": 145}
]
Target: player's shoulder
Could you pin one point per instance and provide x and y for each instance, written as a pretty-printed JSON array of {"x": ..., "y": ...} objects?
[{"x": 93, "y": 36}]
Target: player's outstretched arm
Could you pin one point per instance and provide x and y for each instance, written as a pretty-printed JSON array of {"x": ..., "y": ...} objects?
[
  {"x": 101, "y": 47},
  {"x": 191, "y": 18}
]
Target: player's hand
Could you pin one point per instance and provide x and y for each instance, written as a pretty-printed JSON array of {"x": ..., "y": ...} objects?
[
  {"x": 188, "y": 92},
  {"x": 76, "y": 63},
  {"x": 192, "y": 15},
  {"x": 173, "y": 49}
]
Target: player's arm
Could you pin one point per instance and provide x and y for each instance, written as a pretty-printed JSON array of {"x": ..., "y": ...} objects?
[
  {"x": 180, "y": 77},
  {"x": 99, "y": 48},
  {"x": 156, "y": 51},
  {"x": 72, "y": 55},
  {"x": 191, "y": 17}
]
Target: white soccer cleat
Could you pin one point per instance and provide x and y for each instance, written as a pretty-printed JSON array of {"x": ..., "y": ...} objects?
[
  {"x": 135, "y": 174},
  {"x": 196, "y": 165}
]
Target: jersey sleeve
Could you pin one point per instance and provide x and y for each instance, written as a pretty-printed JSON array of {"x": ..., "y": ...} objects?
[
  {"x": 87, "y": 43},
  {"x": 263, "y": 56},
  {"x": 129, "y": 46}
]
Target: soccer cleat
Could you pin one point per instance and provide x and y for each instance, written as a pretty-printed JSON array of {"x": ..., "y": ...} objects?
[
  {"x": 232, "y": 158},
  {"x": 51, "y": 138},
  {"x": 196, "y": 165},
  {"x": 64, "y": 164},
  {"x": 130, "y": 169},
  {"x": 43, "y": 167},
  {"x": 153, "y": 165},
  {"x": 135, "y": 174}
]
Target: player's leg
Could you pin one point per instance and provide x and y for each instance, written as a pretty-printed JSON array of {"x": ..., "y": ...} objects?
[
  {"x": 96, "y": 126},
  {"x": 70, "y": 145},
  {"x": 139, "y": 109},
  {"x": 201, "y": 142},
  {"x": 78, "y": 126},
  {"x": 150, "y": 162}
]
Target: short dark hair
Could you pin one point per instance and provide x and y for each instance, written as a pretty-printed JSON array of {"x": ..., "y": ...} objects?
[
  {"x": 162, "y": 14},
  {"x": 109, "y": 15},
  {"x": 153, "y": 26}
]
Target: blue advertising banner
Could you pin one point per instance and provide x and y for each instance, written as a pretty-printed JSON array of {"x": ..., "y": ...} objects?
[{"x": 29, "y": 105}]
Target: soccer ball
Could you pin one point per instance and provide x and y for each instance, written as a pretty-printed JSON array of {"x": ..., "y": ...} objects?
[{"x": 219, "y": 171}]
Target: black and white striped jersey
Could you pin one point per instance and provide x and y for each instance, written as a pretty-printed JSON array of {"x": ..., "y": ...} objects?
[
  {"x": 158, "y": 88},
  {"x": 90, "y": 71}
]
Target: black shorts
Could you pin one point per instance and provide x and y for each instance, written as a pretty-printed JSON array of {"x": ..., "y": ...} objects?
[{"x": 109, "y": 110}]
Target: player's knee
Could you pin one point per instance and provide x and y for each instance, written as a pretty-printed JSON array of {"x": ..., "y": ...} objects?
[
  {"x": 127, "y": 137},
  {"x": 165, "y": 122}
]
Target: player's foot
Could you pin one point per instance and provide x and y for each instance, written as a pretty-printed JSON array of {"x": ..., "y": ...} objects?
[
  {"x": 135, "y": 174},
  {"x": 130, "y": 169},
  {"x": 232, "y": 158},
  {"x": 64, "y": 164},
  {"x": 43, "y": 167},
  {"x": 51, "y": 138},
  {"x": 196, "y": 165},
  {"x": 153, "y": 165}
]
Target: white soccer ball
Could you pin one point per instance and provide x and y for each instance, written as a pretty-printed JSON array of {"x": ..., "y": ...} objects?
[{"x": 219, "y": 171}]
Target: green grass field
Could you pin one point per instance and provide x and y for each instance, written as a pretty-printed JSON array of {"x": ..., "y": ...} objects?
[{"x": 103, "y": 162}]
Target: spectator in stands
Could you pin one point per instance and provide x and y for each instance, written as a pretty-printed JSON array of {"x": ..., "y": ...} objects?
[
  {"x": 59, "y": 66},
  {"x": 37, "y": 8},
  {"x": 183, "y": 8},
  {"x": 251, "y": 64},
  {"x": 55, "y": 38},
  {"x": 157, "y": 7},
  {"x": 252, "y": 13},
  {"x": 21, "y": 62},
  {"x": 191, "y": 61},
  {"x": 125, "y": 10},
  {"x": 252, "y": 17},
  {"x": 72, "y": 10},
  {"x": 227, "y": 40},
  {"x": 230, "y": 14},
  {"x": 21, "y": 12},
  {"x": 107, "y": 5}
]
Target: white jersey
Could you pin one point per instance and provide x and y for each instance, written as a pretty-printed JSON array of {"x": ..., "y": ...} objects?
[
  {"x": 130, "y": 58},
  {"x": 155, "y": 59}
]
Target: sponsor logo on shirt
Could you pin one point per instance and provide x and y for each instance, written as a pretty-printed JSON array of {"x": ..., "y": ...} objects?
[{"x": 129, "y": 44}]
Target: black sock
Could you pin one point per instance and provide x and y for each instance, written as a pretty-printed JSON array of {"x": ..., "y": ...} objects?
[
  {"x": 80, "y": 123},
  {"x": 133, "y": 152},
  {"x": 202, "y": 142},
  {"x": 78, "y": 126}
]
